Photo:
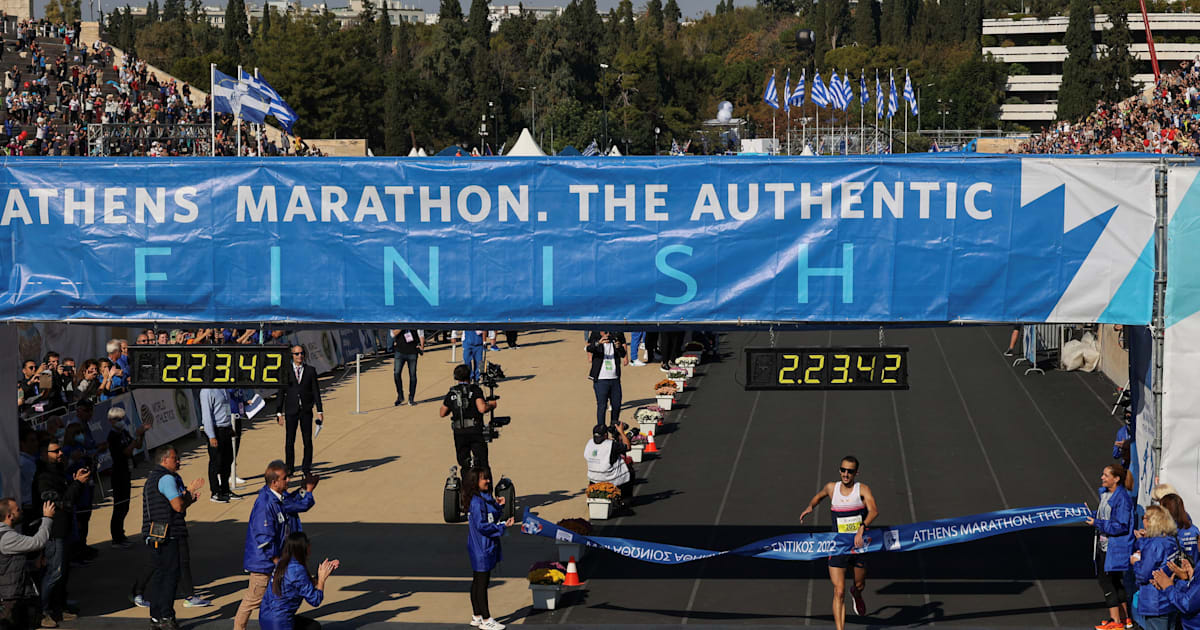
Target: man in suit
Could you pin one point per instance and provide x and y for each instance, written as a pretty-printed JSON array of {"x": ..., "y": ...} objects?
[{"x": 296, "y": 399}]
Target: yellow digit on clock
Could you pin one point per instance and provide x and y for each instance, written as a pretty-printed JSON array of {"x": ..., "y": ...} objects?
[
  {"x": 176, "y": 361},
  {"x": 808, "y": 373},
  {"x": 795, "y": 359},
  {"x": 191, "y": 373},
  {"x": 224, "y": 361},
  {"x": 893, "y": 368},
  {"x": 270, "y": 373},
  {"x": 844, "y": 368},
  {"x": 253, "y": 367}
]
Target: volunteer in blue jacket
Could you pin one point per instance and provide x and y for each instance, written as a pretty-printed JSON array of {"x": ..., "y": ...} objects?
[
  {"x": 1189, "y": 534},
  {"x": 1179, "y": 587},
  {"x": 1114, "y": 545},
  {"x": 291, "y": 584},
  {"x": 473, "y": 352},
  {"x": 276, "y": 514},
  {"x": 1154, "y": 549},
  {"x": 483, "y": 541}
]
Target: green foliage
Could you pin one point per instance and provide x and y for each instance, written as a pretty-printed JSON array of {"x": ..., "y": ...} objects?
[
  {"x": 1116, "y": 64},
  {"x": 1078, "y": 92},
  {"x": 866, "y": 23},
  {"x": 236, "y": 35}
]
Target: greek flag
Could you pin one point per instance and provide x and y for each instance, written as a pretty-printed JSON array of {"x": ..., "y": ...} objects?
[
  {"x": 909, "y": 95},
  {"x": 892, "y": 104},
  {"x": 770, "y": 96},
  {"x": 787, "y": 90},
  {"x": 878, "y": 97},
  {"x": 862, "y": 89},
  {"x": 235, "y": 97},
  {"x": 847, "y": 89},
  {"x": 591, "y": 150},
  {"x": 836, "y": 94},
  {"x": 796, "y": 98},
  {"x": 277, "y": 106},
  {"x": 820, "y": 96}
]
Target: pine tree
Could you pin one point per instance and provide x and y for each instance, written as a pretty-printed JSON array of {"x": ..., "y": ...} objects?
[
  {"x": 671, "y": 16},
  {"x": 383, "y": 36},
  {"x": 264, "y": 29},
  {"x": 152, "y": 11},
  {"x": 450, "y": 10},
  {"x": 237, "y": 30},
  {"x": 893, "y": 31},
  {"x": 1077, "y": 94},
  {"x": 950, "y": 28},
  {"x": 654, "y": 15},
  {"x": 478, "y": 26},
  {"x": 1116, "y": 66},
  {"x": 972, "y": 21},
  {"x": 625, "y": 11},
  {"x": 174, "y": 10},
  {"x": 866, "y": 23}
]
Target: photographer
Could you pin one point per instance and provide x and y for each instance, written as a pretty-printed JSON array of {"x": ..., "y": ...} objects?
[
  {"x": 608, "y": 354},
  {"x": 408, "y": 344},
  {"x": 468, "y": 405},
  {"x": 605, "y": 462},
  {"x": 18, "y": 595},
  {"x": 50, "y": 484}
]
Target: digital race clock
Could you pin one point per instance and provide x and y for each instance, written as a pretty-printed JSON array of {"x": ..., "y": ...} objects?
[
  {"x": 826, "y": 368},
  {"x": 250, "y": 367}
]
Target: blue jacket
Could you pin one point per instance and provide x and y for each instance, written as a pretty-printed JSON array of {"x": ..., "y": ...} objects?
[
  {"x": 1155, "y": 553},
  {"x": 485, "y": 528},
  {"x": 1118, "y": 530},
  {"x": 1188, "y": 537},
  {"x": 472, "y": 338},
  {"x": 271, "y": 520},
  {"x": 1185, "y": 597},
  {"x": 278, "y": 611}
]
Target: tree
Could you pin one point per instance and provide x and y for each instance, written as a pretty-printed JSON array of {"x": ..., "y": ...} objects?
[
  {"x": 450, "y": 10},
  {"x": 1077, "y": 94},
  {"x": 972, "y": 21},
  {"x": 478, "y": 25},
  {"x": 893, "y": 28},
  {"x": 264, "y": 29},
  {"x": 174, "y": 10},
  {"x": 671, "y": 16},
  {"x": 152, "y": 11},
  {"x": 63, "y": 11},
  {"x": 775, "y": 6},
  {"x": 625, "y": 11},
  {"x": 1116, "y": 66},
  {"x": 866, "y": 23},
  {"x": 832, "y": 24},
  {"x": 383, "y": 35},
  {"x": 654, "y": 15},
  {"x": 236, "y": 38}
]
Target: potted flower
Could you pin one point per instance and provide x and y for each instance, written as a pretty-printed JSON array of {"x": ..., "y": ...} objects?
[
  {"x": 566, "y": 548},
  {"x": 637, "y": 445},
  {"x": 688, "y": 364},
  {"x": 679, "y": 376},
  {"x": 664, "y": 392},
  {"x": 648, "y": 418},
  {"x": 545, "y": 584},
  {"x": 600, "y": 499}
]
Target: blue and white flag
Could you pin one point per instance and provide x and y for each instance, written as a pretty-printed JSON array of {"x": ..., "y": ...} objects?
[
  {"x": 878, "y": 97},
  {"x": 863, "y": 93},
  {"x": 592, "y": 149},
  {"x": 892, "y": 104},
  {"x": 796, "y": 98},
  {"x": 277, "y": 107},
  {"x": 787, "y": 90},
  {"x": 836, "y": 95},
  {"x": 770, "y": 95},
  {"x": 240, "y": 99},
  {"x": 909, "y": 95},
  {"x": 820, "y": 96},
  {"x": 847, "y": 89}
]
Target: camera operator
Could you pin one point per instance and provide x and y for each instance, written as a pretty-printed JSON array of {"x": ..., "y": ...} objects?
[
  {"x": 50, "y": 484},
  {"x": 608, "y": 354},
  {"x": 18, "y": 595},
  {"x": 467, "y": 404},
  {"x": 605, "y": 458}
]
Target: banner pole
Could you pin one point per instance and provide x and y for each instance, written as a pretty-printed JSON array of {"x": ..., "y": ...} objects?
[
  {"x": 212, "y": 109},
  {"x": 1160, "y": 294}
]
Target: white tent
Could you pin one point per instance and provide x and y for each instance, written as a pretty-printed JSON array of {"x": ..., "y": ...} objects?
[
  {"x": 614, "y": 152},
  {"x": 807, "y": 150},
  {"x": 412, "y": 152},
  {"x": 526, "y": 146},
  {"x": 421, "y": 152}
]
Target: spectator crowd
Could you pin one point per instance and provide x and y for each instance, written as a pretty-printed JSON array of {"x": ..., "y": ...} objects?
[{"x": 1165, "y": 120}]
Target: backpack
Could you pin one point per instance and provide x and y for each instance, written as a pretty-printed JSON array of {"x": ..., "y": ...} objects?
[{"x": 460, "y": 417}]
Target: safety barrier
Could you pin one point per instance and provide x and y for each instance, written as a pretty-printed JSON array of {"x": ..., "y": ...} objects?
[{"x": 1041, "y": 342}]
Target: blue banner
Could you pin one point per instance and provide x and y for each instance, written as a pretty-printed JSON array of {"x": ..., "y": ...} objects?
[
  {"x": 576, "y": 241},
  {"x": 808, "y": 547}
]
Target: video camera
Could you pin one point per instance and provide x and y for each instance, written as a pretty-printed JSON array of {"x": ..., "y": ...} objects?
[{"x": 490, "y": 379}]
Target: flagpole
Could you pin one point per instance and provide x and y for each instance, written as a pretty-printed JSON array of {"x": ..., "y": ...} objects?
[
  {"x": 212, "y": 109},
  {"x": 258, "y": 127}
]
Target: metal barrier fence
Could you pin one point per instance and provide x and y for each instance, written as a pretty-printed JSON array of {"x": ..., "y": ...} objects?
[{"x": 1042, "y": 342}]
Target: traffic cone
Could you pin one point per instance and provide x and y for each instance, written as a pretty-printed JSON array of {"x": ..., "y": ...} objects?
[
  {"x": 651, "y": 447},
  {"x": 572, "y": 578}
]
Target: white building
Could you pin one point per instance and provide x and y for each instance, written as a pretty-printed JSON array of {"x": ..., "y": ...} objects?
[
  {"x": 1037, "y": 46},
  {"x": 498, "y": 13}
]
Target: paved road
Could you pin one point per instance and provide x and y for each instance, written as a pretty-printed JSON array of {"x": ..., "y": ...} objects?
[{"x": 972, "y": 435}]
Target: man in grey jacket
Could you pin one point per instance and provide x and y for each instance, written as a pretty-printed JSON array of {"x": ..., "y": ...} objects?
[{"x": 17, "y": 592}]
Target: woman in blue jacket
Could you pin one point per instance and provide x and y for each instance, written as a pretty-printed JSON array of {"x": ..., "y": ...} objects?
[
  {"x": 1181, "y": 591},
  {"x": 290, "y": 584},
  {"x": 1114, "y": 542},
  {"x": 1189, "y": 534},
  {"x": 483, "y": 541},
  {"x": 1154, "y": 549}
]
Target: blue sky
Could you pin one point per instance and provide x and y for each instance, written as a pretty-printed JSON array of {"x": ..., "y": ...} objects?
[{"x": 690, "y": 8}]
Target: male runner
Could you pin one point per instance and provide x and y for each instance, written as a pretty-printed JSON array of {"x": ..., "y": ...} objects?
[{"x": 853, "y": 508}]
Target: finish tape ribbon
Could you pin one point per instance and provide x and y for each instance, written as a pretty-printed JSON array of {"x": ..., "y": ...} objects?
[{"x": 818, "y": 546}]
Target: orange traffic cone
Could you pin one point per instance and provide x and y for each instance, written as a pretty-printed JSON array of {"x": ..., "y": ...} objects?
[
  {"x": 651, "y": 447},
  {"x": 572, "y": 578}
]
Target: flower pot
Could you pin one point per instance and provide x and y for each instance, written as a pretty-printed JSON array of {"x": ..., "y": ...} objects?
[
  {"x": 665, "y": 402},
  {"x": 691, "y": 370},
  {"x": 545, "y": 596},
  {"x": 680, "y": 382},
  {"x": 599, "y": 509},
  {"x": 635, "y": 453},
  {"x": 568, "y": 550}
]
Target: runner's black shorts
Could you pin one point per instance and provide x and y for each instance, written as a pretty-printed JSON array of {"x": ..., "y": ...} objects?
[{"x": 849, "y": 560}]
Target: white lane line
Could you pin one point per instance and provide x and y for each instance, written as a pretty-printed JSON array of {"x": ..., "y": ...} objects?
[
  {"x": 912, "y": 508},
  {"x": 724, "y": 498},
  {"x": 991, "y": 469},
  {"x": 808, "y": 600},
  {"x": 1046, "y": 421}
]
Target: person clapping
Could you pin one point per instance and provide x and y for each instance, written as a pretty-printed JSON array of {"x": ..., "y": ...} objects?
[{"x": 291, "y": 584}]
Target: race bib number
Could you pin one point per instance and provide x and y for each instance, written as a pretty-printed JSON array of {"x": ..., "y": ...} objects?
[
  {"x": 408, "y": 337},
  {"x": 491, "y": 517},
  {"x": 610, "y": 365},
  {"x": 848, "y": 524}
]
